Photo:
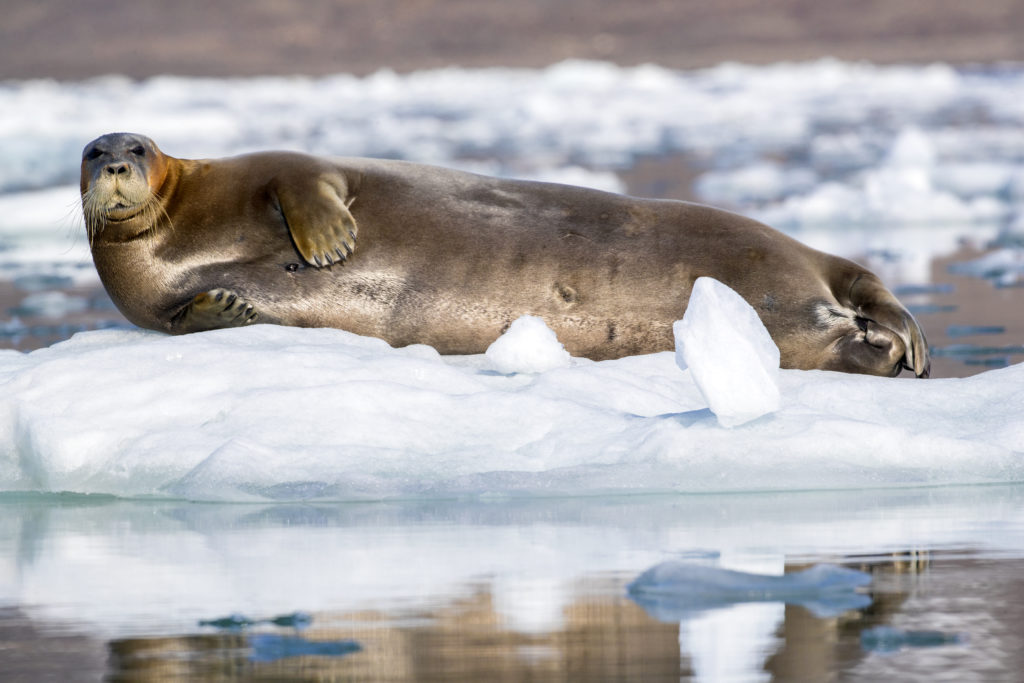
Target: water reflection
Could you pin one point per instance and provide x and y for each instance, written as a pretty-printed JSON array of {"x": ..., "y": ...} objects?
[
  {"x": 519, "y": 590},
  {"x": 603, "y": 637}
]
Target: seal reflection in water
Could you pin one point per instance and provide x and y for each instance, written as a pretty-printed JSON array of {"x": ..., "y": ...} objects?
[{"x": 420, "y": 254}]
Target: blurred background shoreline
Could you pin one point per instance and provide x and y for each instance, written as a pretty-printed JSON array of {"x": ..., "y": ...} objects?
[{"x": 77, "y": 39}]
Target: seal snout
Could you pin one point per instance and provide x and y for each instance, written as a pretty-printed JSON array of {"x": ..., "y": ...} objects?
[{"x": 117, "y": 168}]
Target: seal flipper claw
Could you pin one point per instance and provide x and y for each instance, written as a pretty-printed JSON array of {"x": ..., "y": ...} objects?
[
  {"x": 318, "y": 218},
  {"x": 215, "y": 309}
]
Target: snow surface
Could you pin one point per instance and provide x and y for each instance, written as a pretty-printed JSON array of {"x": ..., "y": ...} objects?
[
  {"x": 527, "y": 346},
  {"x": 275, "y": 413}
]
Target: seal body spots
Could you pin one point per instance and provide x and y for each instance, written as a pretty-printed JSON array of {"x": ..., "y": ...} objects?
[{"x": 420, "y": 254}]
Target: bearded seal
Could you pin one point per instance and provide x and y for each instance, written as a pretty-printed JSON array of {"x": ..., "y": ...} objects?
[{"x": 413, "y": 253}]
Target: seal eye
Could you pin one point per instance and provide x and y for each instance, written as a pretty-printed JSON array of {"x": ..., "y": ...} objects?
[
  {"x": 139, "y": 151},
  {"x": 94, "y": 153}
]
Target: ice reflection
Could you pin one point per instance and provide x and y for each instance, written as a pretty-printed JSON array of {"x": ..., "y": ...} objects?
[
  {"x": 675, "y": 591},
  {"x": 732, "y": 644},
  {"x": 531, "y": 589}
]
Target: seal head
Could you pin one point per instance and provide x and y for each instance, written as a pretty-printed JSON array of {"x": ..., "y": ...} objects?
[{"x": 122, "y": 174}]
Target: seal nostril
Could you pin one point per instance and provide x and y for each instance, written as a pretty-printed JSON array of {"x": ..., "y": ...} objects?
[{"x": 117, "y": 169}]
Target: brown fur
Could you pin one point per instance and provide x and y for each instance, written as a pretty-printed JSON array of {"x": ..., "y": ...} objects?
[{"x": 450, "y": 259}]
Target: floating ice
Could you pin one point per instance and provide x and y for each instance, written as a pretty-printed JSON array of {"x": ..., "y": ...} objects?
[
  {"x": 857, "y": 151},
  {"x": 890, "y": 639},
  {"x": 911, "y": 150},
  {"x": 1003, "y": 266},
  {"x": 758, "y": 182},
  {"x": 270, "y": 647},
  {"x": 900, "y": 189},
  {"x": 972, "y": 330},
  {"x": 38, "y": 282},
  {"x": 973, "y": 179},
  {"x": 237, "y": 622},
  {"x": 528, "y": 346},
  {"x": 729, "y": 353},
  {"x": 673, "y": 589},
  {"x": 50, "y": 305},
  {"x": 276, "y": 413}
]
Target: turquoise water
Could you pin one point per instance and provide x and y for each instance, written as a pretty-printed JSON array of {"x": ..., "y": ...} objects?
[{"x": 526, "y": 589}]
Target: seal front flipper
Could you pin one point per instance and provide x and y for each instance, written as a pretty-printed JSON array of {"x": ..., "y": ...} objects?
[
  {"x": 213, "y": 310},
  {"x": 318, "y": 217}
]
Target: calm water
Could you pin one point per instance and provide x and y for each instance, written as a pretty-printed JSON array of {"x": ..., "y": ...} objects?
[{"x": 512, "y": 590}]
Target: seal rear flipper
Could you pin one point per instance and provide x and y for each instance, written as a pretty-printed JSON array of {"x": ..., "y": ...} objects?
[
  {"x": 874, "y": 303},
  {"x": 321, "y": 225},
  {"x": 213, "y": 310}
]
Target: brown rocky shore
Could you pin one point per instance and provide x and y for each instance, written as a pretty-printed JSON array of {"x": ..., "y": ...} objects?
[{"x": 74, "y": 39}]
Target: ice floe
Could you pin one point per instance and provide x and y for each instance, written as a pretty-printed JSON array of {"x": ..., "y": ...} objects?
[{"x": 274, "y": 413}]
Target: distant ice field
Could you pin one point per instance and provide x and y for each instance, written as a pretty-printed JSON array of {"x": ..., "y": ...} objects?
[{"x": 807, "y": 147}]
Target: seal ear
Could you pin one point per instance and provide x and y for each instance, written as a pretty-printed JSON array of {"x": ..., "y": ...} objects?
[{"x": 318, "y": 217}]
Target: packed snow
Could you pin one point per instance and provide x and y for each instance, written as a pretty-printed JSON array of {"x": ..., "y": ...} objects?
[
  {"x": 528, "y": 346},
  {"x": 274, "y": 413}
]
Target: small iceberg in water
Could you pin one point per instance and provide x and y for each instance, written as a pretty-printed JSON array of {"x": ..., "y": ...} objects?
[
  {"x": 267, "y": 647},
  {"x": 237, "y": 622},
  {"x": 890, "y": 639},
  {"x": 673, "y": 590}
]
